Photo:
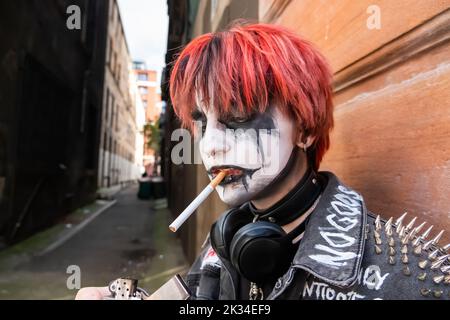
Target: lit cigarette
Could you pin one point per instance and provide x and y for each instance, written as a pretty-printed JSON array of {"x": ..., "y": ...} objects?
[{"x": 197, "y": 201}]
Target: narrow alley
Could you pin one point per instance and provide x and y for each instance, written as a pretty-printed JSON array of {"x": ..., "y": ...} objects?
[{"x": 130, "y": 238}]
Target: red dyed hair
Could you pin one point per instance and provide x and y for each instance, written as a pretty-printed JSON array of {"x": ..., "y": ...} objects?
[{"x": 246, "y": 68}]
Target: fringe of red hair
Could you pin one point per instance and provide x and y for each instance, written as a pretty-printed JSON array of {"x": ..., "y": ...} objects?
[{"x": 248, "y": 67}]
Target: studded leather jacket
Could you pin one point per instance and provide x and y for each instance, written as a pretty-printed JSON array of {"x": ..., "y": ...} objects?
[{"x": 346, "y": 253}]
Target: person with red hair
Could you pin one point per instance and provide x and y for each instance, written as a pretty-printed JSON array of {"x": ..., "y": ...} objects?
[
  {"x": 259, "y": 99},
  {"x": 260, "y": 77}
]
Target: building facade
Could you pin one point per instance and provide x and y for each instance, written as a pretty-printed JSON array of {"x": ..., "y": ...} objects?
[
  {"x": 51, "y": 80},
  {"x": 140, "y": 123},
  {"x": 151, "y": 99},
  {"x": 391, "y": 140},
  {"x": 117, "y": 159}
]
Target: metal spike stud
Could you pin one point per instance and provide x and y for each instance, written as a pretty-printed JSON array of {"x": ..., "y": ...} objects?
[
  {"x": 423, "y": 264},
  {"x": 404, "y": 249},
  {"x": 417, "y": 230},
  {"x": 424, "y": 292},
  {"x": 378, "y": 241},
  {"x": 405, "y": 259},
  {"x": 378, "y": 223},
  {"x": 426, "y": 233},
  {"x": 391, "y": 251},
  {"x": 391, "y": 242},
  {"x": 401, "y": 233},
  {"x": 376, "y": 234},
  {"x": 433, "y": 255},
  {"x": 391, "y": 260},
  {"x": 377, "y": 249},
  {"x": 438, "y": 279},
  {"x": 405, "y": 239},
  {"x": 445, "y": 269},
  {"x": 388, "y": 223},
  {"x": 388, "y": 227},
  {"x": 427, "y": 245},
  {"x": 438, "y": 237},
  {"x": 418, "y": 250},
  {"x": 406, "y": 271},
  {"x": 444, "y": 257},
  {"x": 447, "y": 279},
  {"x": 422, "y": 276},
  {"x": 389, "y": 231},
  {"x": 398, "y": 222},
  {"x": 433, "y": 241},
  {"x": 411, "y": 224},
  {"x": 446, "y": 247},
  {"x": 437, "y": 293},
  {"x": 422, "y": 236},
  {"x": 439, "y": 261}
]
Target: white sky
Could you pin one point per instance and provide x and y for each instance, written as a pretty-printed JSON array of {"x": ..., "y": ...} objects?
[{"x": 146, "y": 26}]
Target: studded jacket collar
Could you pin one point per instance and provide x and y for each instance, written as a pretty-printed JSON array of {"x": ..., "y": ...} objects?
[
  {"x": 332, "y": 247},
  {"x": 345, "y": 253}
]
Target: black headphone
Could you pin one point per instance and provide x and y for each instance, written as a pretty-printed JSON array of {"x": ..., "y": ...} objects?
[{"x": 261, "y": 250}]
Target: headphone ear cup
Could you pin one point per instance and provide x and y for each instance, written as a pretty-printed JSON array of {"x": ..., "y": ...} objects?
[
  {"x": 223, "y": 230},
  {"x": 258, "y": 251}
]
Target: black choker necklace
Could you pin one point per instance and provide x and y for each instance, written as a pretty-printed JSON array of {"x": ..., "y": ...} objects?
[{"x": 295, "y": 203}]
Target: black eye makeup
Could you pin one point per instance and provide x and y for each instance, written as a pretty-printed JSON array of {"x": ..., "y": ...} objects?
[
  {"x": 237, "y": 121},
  {"x": 197, "y": 115},
  {"x": 253, "y": 121}
]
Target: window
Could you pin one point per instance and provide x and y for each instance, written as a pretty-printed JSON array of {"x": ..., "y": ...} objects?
[
  {"x": 106, "y": 105},
  {"x": 112, "y": 112},
  {"x": 143, "y": 90},
  {"x": 105, "y": 142},
  {"x": 139, "y": 65},
  {"x": 110, "y": 51},
  {"x": 117, "y": 117},
  {"x": 114, "y": 63},
  {"x": 142, "y": 76}
]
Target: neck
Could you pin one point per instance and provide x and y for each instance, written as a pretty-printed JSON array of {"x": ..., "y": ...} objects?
[
  {"x": 283, "y": 187},
  {"x": 289, "y": 200},
  {"x": 292, "y": 225}
]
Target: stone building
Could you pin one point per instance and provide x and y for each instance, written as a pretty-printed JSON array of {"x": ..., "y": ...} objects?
[
  {"x": 151, "y": 99},
  {"x": 117, "y": 163}
]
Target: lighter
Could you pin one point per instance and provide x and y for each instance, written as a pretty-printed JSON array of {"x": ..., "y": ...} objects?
[{"x": 127, "y": 289}]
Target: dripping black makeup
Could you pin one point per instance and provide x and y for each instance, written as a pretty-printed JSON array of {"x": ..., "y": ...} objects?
[{"x": 228, "y": 141}]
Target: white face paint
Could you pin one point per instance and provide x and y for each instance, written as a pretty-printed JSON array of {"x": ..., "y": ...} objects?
[{"x": 256, "y": 148}]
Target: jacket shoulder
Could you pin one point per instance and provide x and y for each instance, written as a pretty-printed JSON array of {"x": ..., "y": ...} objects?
[
  {"x": 204, "y": 275},
  {"x": 402, "y": 260}
]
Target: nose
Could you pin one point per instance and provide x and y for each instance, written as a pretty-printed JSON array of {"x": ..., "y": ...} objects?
[{"x": 214, "y": 143}]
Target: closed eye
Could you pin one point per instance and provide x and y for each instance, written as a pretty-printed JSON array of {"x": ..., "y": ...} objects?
[
  {"x": 240, "y": 120},
  {"x": 197, "y": 115},
  {"x": 237, "y": 122}
]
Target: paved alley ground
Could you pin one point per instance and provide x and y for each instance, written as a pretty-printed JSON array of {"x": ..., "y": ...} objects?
[{"x": 130, "y": 238}]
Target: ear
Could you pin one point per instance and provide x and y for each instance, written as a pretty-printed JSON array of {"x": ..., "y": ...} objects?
[{"x": 305, "y": 143}]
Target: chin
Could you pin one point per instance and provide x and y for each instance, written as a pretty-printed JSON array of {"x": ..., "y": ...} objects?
[
  {"x": 233, "y": 195},
  {"x": 236, "y": 194}
]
